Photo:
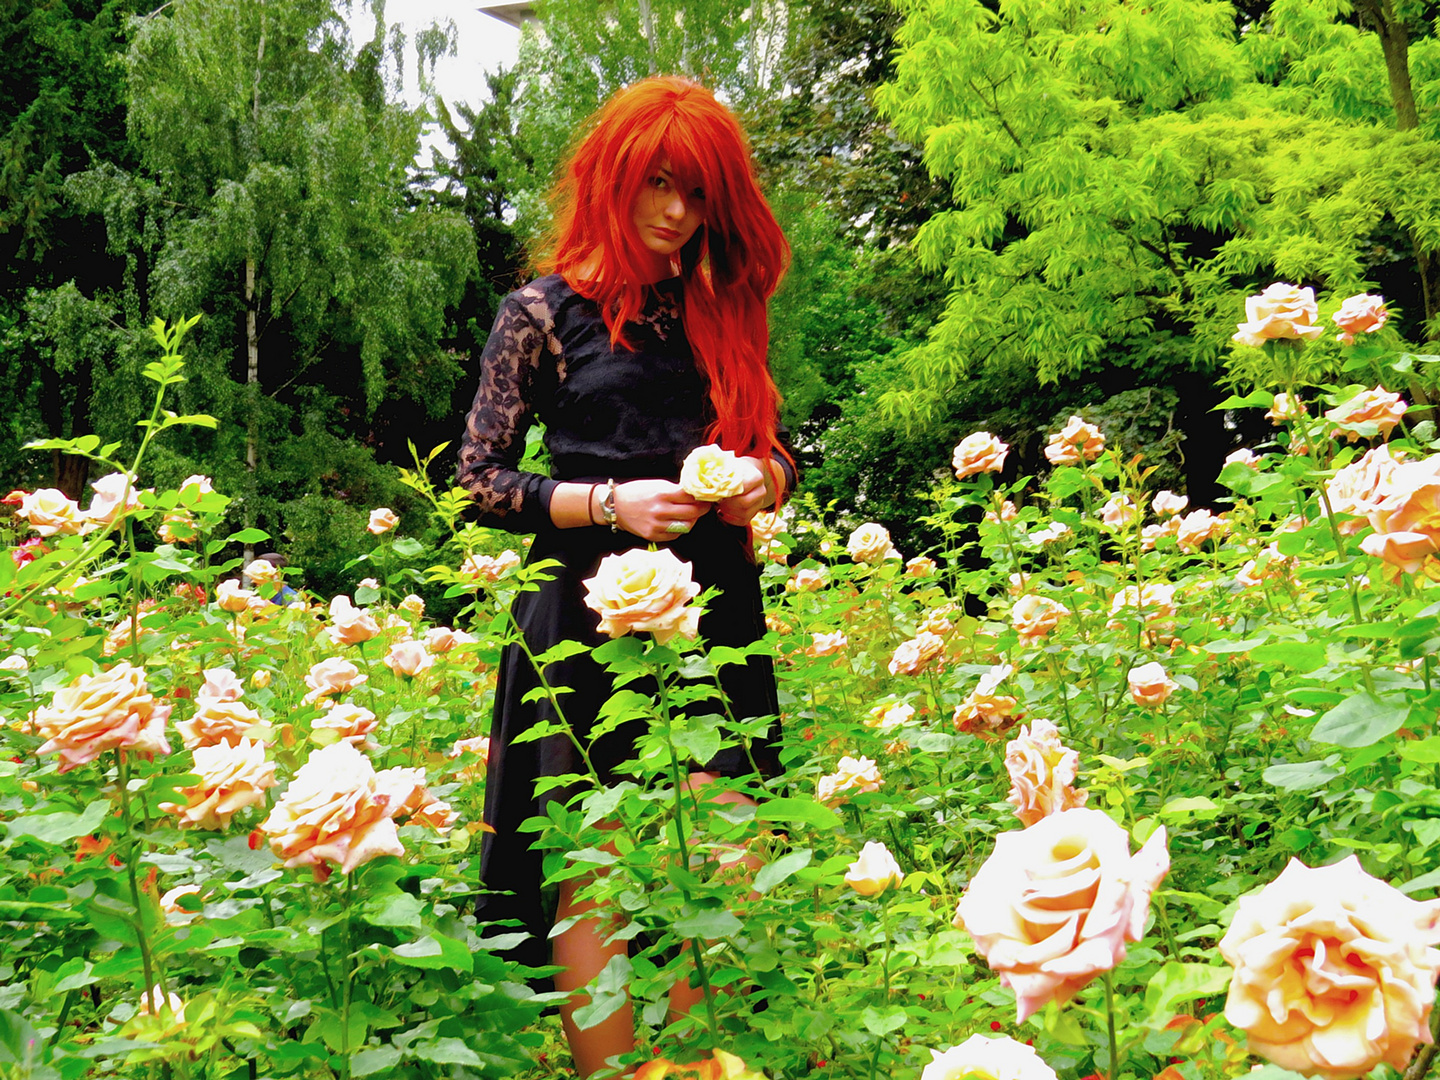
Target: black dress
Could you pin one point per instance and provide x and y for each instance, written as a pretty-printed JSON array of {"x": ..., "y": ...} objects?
[{"x": 608, "y": 412}]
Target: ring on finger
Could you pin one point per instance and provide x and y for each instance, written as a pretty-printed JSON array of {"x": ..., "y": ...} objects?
[{"x": 678, "y": 527}]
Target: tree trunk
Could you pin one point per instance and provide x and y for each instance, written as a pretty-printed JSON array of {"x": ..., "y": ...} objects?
[
  {"x": 1395, "y": 43},
  {"x": 647, "y": 27},
  {"x": 252, "y": 336}
]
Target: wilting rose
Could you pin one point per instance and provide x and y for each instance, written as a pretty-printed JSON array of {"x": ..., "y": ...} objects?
[
  {"x": 890, "y": 715},
  {"x": 921, "y": 566},
  {"x": 350, "y": 625},
  {"x": 1035, "y": 616},
  {"x": 1243, "y": 456},
  {"x": 720, "y": 1066},
  {"x": 1280, "y": 313},
  {"x": 1286, "y": 407},
  {"x": 826, "y": 644},
  {"x": 332, "y": 676},
  {"x": 1055, "y": 903},
  {"x": 1077, "y": 440},
  {"x": 710, "y": 474},
  {"x": 644, "y": 590},
  {"x": 231, "y": 778},
  {"x": 1334, "y": 970},
  {"x": 413, "y": 606},
  {"x": 1377, "y": 406},
  {"x": 1008, "y": 512},
  {"x": 1198, "y": 526},
  {"x": 870, "y": 543},
  {"x": 1167, "y": 503},
  {"x": 221, "y": 684},
  {"x": 806, "y": 579},
  {"x": 231, "y": 597},
  {"x": 1363, "y": 313},
  {"x": 1154, "y": 600},
  {"x": 1357, "y": 489},
  {"x": 765, "y": 526},
  {"x": 1119, "y": 511},
  {"x": 984, "y": 710},
  {"x": 489, "y": 567},
  {"x": 382, "y": 520},
  {"x": 352, "y": 723},
  {"x": 852, "y": 776},
  {"x": 115, "y": 495},
  {"x": 409, "y": 658},
  {"x": 874, "y": 871},
  {"x": 218, "y": 721},
  {"x": 333, "y": 812},
  {"x": 983, "y": 1058},
  {"x": 110, "y": 710},
  {"x": 50, "y": 512},
  {"x": 914, "y": 656},
  {"x": 1042, "y": 773},
  {"x": 1407, "y": 517},
  {"x": 1150, "y": 684},
  {"x": 979, "y": 453}
]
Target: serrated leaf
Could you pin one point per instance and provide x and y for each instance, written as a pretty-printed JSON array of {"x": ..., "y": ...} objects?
[{"x": 1360, "y": 720}]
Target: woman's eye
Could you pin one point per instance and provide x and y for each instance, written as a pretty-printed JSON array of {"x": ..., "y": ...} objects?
[
  {"x": 659, "y": 183},
  {"x": 698, "y": 193}
]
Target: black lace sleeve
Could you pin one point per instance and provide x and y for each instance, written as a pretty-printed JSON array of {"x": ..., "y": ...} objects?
[{"x": 511, "y": 369}]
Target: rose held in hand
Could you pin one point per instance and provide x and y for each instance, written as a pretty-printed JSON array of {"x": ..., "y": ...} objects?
[
  {"x": 1334, "y": 970},
  {"x": 1055, "y": 904},
  {"x": 644, "y": 590},
  {"x": 710, "y": 474}
]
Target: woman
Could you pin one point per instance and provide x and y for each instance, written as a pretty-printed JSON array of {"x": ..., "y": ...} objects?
[{"x": 646, "y": 339}]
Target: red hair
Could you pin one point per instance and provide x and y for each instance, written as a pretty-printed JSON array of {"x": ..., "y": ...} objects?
[{"x": 730, "y": 267}]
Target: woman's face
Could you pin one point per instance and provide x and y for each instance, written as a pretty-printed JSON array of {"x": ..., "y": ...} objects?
[{"x": 665, "y": 217}]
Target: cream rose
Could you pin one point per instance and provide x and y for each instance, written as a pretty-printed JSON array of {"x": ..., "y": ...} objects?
[
  {"x": 1076, "y": 441},
  {"x": 985, "y": 710},
  {"x": 1154, "y": 600},
  {"x": 826, "y": 644},
  {"x": 50, "y": 512},
  {"x": 262, "y": 572},
  {"x": 479, "y": 746},
  {"x": 914, "y": 656},
  {"x": 806, "y": 579},
  {"x": 921, "y": 566},
  {"x": 382, "y": 520},
  {"x": 412, "y": 605},
  {"x": 352, "y": 723},
  {"x": 231, "y": 597},
  {"x": 1334, "y": 970},
  {"x": 1151, "y": 535},
  {"x": 644, "y": 590},
  {"x": 1055, "y": 904},
  {"x": 1407, "y": 517},
  {"x": 765, "y": 526},
  {"x": 489, "y": 568},
  {"x": 1150, "y": 684},
  {"x": 110, "y": 710},
  {"x": 221, "y": 684},
  {"x": 1167, "y": 503},
  {"x": 332, "y": 676},
  {"x": 852, "y": 776},
  {"x": 979, "y": 453},
  {"x": 710, "y": 474},
  {"x": 441, "y": 639},
  {"x": 983, "y": 1058},
  {"x": 1042, "y": 773},
  {"x": 409, "y": 658},
  {"x": 231, "y": 778},
  {"x": 1035, "y": 616},
  {"x": 1119, "y": 511},
  {"x": 1286, "y": 407},
  {"x": 218, "y": 720},
  {"x": 1363, "y": 313},
  {"x": 874, "y": 871},
  {"x": 115, "y": 496},
  {"x": 1280, "y": 313},
  {"x": 890, "y": 715},
  {"x": 1198, "y": 526},
  {"x": 350, "y": 625},
  {"x": 870, "y": 543},
  {"x": 1355, "y": 490},
  {"x": 1378, "y": 406}
]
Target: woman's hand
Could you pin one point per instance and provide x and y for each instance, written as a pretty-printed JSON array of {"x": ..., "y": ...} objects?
[
  {"x": 757, "y": 495},
  {"x": 656, "y": 509}
]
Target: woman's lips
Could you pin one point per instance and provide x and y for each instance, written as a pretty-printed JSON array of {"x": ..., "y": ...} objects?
[{"x": 664, "y": 233}]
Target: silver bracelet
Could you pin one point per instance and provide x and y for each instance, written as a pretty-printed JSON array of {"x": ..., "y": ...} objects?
[{"x": 607, "y": 506}]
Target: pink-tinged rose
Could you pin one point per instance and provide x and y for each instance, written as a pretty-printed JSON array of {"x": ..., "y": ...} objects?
[
  {"x": 765, "y": 526},
  {"x": 1077, "y": 441},
  {"x": 1243, "y": 456},
  {"x": 1377, "y": 406},
  {"x": 334, "y": 812},
  {"x": 350, "y": 723},
  {"x": 441, "y": 639},
  {"x": 710, "y": 474},
  {"x": 870, "y": 543},
  {"x": 218, "y": 721},
  {"x": 806, "y": 579},
  {"x": 232, "y": 597},
  {"x": 1154, "y": 601},
  {"x": 1150, "y": 684},
  {"x": 332, "y": 676},
  {"x": 1363, "y": 313},
  {"x": 914, "y": 656},
  {"x": 937, "y": 621},
  {"x": 921, "y": 566},
  {"x": 1168, "y": 504},
  {"x": 350, "y": 625},
  {"x": 50, "y": 512},
  {"x": 874, "y": 871},
  {"x": 1119, "y": 511},
  {"x": 1280, "y": 313},
  {"x": 159, "y": 1004},
  {"x": 1334, "y": 970},
  {"x": 1052, "y": 533},
  {"x": 1056, "y": 903},
  {"x": 115, "y": 496},
  {"x": 1008, "y": 512},
  {"x": 1356, "y": 490},
  {"x": 221, "y": 684},
  {"x": 1198, "y": 526},
  {"x": 110, "y": 710},
  {"x": 409, "y": 658},
  {"x": 986, "y": 711},
  {"x": 826, "y": 644},
  {"x": 979, "y": 453},
  {"x": 1151, "y": 535},
  {"x": 480, "y": 747},
  {"x": 890, "y": 715},
  {"x": 382, "y": 520},
  {"x": 407, "y": 791},
  {"x": 1042, "y": 773},
  {"x": 1286, "y": 407},
  {"x": 413, "y": 606},
  {"x": 1407, "y": 517},
  {"x": 852, "y": 776},
  {"x": 982, "y": 1058},
  {"x": 489, "y": 568},
  {"x": 231, "y": 778},
  {"x": 639, "y": 590},
  {"x": 170, "y": 903},
  {"x": 368, "y": 583},
  {"x": 1035, "y": 616}
]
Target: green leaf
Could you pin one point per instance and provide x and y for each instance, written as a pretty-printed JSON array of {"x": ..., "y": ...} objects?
[
  {"x": 1175, "y": 983},
  {"x": 434, "y": 952},
  {"x": 783, "y": 868},
  {"x": 1422, "y": 751},
  {"x": 1256, "y": 399},
  {"x": 700, "y": 744},
  {"x": 374, "y": 1060},
  {"x": 798, "y": 812},
  {"x": 25, "y": 911},
  {"x": 883, "y": 1021},
  {"x": 1360, "y": 720},
  {"x": 1300, "y": 775},
  {"x": 446, "y": 1051},
  {"x": 248, "y": 536},
  {"x": 708, "y": 925},
  {"x": 1300, "y": 655},
  {"x": 396, "y": 908},
  {"x": 60, "y": 827}
]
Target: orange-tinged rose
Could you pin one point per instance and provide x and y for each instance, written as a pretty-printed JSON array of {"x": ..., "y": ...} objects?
[
  {"x": 441, "y": 639},
  {"x": 412, "y": 605},
  {"x": 218, "y": 720},
  {"x": 720, "y": 1066},
  {"x": 1042, "y": 773},
  {"x": 982, "y": 1058},
  {"x": 1198, "y": 526},
  {"x": 1077, "y": 441},
  {"x": 1150, "y": 684},
  {"x": 826, "y": 644},
  {"x": 332, "y": 676},
  {"x": 1377, "y": 406},
  {"x": 1363, "y": 313},
  {"x": 890, "y": 715},
  {"x": 1008, "y": 512},
  {"x": 1286, "y": 407},
  {"x": 1056, "y": 903},
  {"x": 1154, "y": 600},
  {"x": 409, "y": 658},
  {"x": 921, "y": 566},
  {"x": 1334, "y": 970},
  {"x": 412, "y": 799},
  {"x": 806, "y": 579},
  {"x": 985, "y": 710},
  {"x": 852, "y": 776},
  {"x": 870, "y": 543},
  {"x": 231, "y": 597},
  {"x": 352, "y": 723},
  {"x": 1167, "y": 503},
  {"x": 1151, "y": 535},
  {"x": 914, "y": 656},
  {"x": 110, "y": 710},
  {"x": 979, "y": 453},
  {"x": 231, "y": 778},
  {"x": 1406, "y": 518},
  {"x": 350, "y": 625},
  {"x": 382, "y": 520},
  {"x": 489, "y": 568},
  {"x": 51, "y": 512},
  {"x": 479, "y": 746},
  {"x": 1035, "y": 616},
  {"x": 640, "y": 590},
  {"x": 874, "y": 871},
  {"x": 765, "y": 526},
  {"x": 1280, "y": 313},
  {"x": 1355, "y": 490}
]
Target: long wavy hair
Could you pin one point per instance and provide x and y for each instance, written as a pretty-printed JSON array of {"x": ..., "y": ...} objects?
[{"x": 730, "y": 267}]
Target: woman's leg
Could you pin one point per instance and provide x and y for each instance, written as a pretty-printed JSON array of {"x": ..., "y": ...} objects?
[{"x": 583, "y": 952}]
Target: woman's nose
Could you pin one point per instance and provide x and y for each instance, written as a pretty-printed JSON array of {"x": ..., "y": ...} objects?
[{"x": 675, "y": 207}]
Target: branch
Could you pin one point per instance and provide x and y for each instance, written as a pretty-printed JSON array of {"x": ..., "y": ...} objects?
[{"x": 994, "y": 104}]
